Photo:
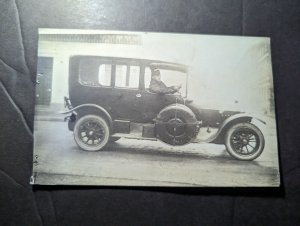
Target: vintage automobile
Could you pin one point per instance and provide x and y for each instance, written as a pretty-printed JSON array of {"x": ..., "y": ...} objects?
[{"x": 109, "y": 98}]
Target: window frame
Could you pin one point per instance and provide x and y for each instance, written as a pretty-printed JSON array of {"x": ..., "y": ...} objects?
[{"x": 128, "y": 64}]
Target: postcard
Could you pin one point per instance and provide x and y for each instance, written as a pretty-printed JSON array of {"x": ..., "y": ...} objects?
[{"x": 124, "y": 108}]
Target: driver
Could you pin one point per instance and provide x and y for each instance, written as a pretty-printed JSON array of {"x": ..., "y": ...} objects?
[{"x": 157, "y": 86}]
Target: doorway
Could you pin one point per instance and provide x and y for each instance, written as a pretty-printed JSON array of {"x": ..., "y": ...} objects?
[{"x": 44, "y": 80}]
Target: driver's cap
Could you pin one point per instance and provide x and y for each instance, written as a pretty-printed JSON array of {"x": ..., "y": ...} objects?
[{"x": 156, "y": 71}]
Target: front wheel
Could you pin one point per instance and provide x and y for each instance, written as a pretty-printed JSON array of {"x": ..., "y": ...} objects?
[
  {"x": 91, "y": 133},
  {"x": 244, "y": 141}
]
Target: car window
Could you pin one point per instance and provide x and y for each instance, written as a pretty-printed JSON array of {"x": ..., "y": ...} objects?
[
  {"x": 127, "y": 76},
  {"x": 174, "y": 78},
  {"x": 134, "y": 74},
  {"x": 88, "y": 72},
  {"x": 147, "y": 78},
  {"x": 104, "y": 74},
  {"x": 94, "y": 72},
  {"x": 168, "y": 77}
]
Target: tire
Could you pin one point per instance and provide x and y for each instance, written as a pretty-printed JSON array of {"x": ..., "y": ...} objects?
[
  {"x": 176, "y": 125},
  {"x": 244, "y": 141},
  {"x": 114, "y": 139},
  {"x": 91, "y": 133}
]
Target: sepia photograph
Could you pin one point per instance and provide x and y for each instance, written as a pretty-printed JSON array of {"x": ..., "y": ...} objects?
[{"x": 123, "y": 108}]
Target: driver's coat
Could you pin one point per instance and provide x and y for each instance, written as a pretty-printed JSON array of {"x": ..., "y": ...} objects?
[{"x": 157, "y": 86}]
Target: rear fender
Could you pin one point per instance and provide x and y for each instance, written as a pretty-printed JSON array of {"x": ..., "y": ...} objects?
[
  {"x": 218, "y": 138},
  {"x": 85, "y": 109}
]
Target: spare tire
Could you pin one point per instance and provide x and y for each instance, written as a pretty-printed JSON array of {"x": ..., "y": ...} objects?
[{"x": 176, "y": 124}]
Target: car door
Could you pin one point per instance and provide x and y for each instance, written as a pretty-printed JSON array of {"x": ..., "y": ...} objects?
[
  {"x": 126, "y": 95},
  {"x": 153, "y": 103}
]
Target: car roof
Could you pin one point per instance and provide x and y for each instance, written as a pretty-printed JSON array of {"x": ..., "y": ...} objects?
[
  {"x": 168, "y": 66},
  {"x": 154, "y": 64}
]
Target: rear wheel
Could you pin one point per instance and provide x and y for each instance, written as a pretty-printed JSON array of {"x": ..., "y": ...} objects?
[
  {"x": 244, "y": 141},
  {"x": 91, "y": 133}
]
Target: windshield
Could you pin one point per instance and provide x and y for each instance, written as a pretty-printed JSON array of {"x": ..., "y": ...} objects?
[{"x": 169, "y": 78}]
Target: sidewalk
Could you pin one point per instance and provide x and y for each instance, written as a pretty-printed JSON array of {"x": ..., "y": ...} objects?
[{"x": 49, "y": 112}]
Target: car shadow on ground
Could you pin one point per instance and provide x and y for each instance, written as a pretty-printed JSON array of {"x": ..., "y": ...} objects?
[{"x": 169, "y": 153}]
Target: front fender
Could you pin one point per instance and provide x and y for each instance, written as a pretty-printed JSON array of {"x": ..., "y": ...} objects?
[
  {"x": 95, "y": 109},
  {"x": 218, "y": 138}
]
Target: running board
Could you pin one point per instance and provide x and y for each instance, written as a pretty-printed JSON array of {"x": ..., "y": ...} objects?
[{"x": 133, "y": 136}]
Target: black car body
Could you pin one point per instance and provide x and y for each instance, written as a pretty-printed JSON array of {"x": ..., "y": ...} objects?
[{"x": 114, "y": 91}]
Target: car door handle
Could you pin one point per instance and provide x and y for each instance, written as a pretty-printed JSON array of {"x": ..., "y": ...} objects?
[{"x": 138, "y": 95}]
